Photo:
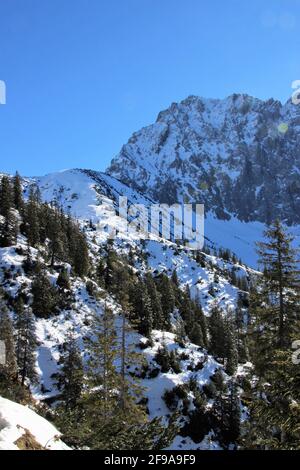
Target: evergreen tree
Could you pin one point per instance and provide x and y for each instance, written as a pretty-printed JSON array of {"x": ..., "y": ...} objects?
[
  {"x": 45, "y": 297},
  {"x": 31, "y": 217},
  {"x": 56, "y": 236},
  {"x": 274, "y": 310},
  {"x": 155, "y": 299},
  {"x": 18, "y": 193},
  {"x": 141, "y": 303},
  {"x": 167, "y": 299},
  {"x": 26, "y": 343},
  {"x": 277, "y": 301},
  {"x": 102, "y": 372},
  {"x": 231, "y": 352},
  {"x": 6, "y": 196},
  {"x": 9, "y": 369},
  {"x": 70, "y": 377},
  {"x": 9, "y": 229},
  {"x": 216, "y": 331}
]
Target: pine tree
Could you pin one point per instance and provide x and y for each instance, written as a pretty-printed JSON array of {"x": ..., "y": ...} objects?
[
  {"x": 130, "y": 390},
  {"x": 155, "y": 299},
  {"x": 216, "y": 331},
  {"x": 226, "y": 416},
  {"x": 70, "y": 377},
  {"x": 18, "y": 193},
  {"x": 274, "y": 310},
  {"x": 279, "y": 289},
  {"x": 231, "y": 352},
  {"x": 100, "y": 273},
  {"x": 26, "y": 343},
  {"x": 45, "y": 296},
  {"x": 81, "y": 262},
  {"x": 31, "y": 217},
  {"x": 102, "y": 372},
  {"x": 64, "y": 290},
  {"x": 9, "y": 229},
  {"x": 167, "y": 299},
  {"x": 56, "y": 237},
  {"x": 141, "y": 302},
  {"x": 6, "y": 196},
  {"x": 9, "y": 369}
]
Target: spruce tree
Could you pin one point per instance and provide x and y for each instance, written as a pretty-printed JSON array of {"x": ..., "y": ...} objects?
[
  {"x": 8, "y": 370},
  {"x": 44, "y": 294},
  {"x": 155, "y": 299},
  {"x": 31, "y": 217},
  {"x": 274, "y": 312},
  {"x": 9, "y": 229},
  {"x": 278, "y": 293},
  {"x": 141, "y": 302},
  {"x": 70, "y": 378},
  {"x": 18, "y": 193},
  {"x": 26, "y": 344},
  {"x": 102, "y": 372},
  {"x": 6, "y": 196},
  {"x": 217, "y": 334},
  {"x": 167, "y": 299}
]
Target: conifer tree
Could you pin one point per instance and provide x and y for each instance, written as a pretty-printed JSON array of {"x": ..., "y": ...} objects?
[
  {"x": 274, "y": 310},
  {"x": 56, "y": 236},
  {"x": 155, "y": 300},
  {"x": 167, "y": 298},
  {"x": 70, "y": 377},
  {"x": 216, "y": 330},
  {"x": 44, "y": 294},
  {"x": 26, "y": 343},
  {"x": 18, "y": 193},
  {"x": 278, "y": 294},
  {"x": 9, "y": 229},
  {"x": 31, "y": 217},
  {"x": 9, "y": 369},
  {"x": 102, "y": 372},
  {"x": 231, "y": 352},
  {"x": 141, "y": 302},
  {"x": 6, "y": 196}
]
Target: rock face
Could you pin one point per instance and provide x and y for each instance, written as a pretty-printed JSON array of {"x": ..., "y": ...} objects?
[{"x": 239, "y": 156}]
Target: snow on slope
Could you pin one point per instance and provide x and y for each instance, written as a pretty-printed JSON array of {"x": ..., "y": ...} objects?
[
  {"x": 90, "y": 195},
  {"x": 15, "y": 419}
]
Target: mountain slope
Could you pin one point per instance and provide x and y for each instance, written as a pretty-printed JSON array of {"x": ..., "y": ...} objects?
[
  {"x": 239, "y": 156},
  {"x": 22, "y": 428}
]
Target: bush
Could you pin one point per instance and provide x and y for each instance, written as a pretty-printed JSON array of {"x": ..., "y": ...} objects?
[{"x": 172, "y": 397}]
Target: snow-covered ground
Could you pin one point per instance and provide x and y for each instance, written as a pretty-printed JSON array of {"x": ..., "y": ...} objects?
[{"x": 19, "y": 424}]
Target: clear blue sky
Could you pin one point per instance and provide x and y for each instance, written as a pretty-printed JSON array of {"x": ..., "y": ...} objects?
[{"x": 82, "y": 75}]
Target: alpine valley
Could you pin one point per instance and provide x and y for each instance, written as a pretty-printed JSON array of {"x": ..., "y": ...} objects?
[{"x": 146, "y": 344}]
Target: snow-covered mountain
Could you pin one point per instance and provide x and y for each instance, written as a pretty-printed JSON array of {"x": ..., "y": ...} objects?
[
  {"x": 239, "y": 156},
  {"x": 92, "y": 195}
]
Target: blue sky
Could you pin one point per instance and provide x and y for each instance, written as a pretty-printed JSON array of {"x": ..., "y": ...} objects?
[{"x": 82, "y": 75}]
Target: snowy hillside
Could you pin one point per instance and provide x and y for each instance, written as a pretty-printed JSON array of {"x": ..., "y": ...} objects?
[
  {"x": 90, "y": 195},
  {"x": 210, "y": 280},
  {"x": 22, "y": 428}
]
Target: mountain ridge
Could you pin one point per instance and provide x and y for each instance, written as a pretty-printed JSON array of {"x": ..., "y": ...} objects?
[{"x": 240, "y": 156}]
